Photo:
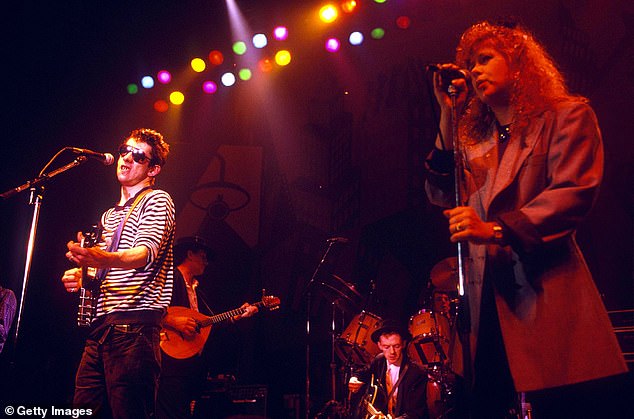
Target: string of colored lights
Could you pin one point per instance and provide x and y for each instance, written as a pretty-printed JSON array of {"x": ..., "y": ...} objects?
[{"x": 280, "y": 58}]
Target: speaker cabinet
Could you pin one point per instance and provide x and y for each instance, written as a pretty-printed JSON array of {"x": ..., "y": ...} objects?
[{"x": 236, "y": 402}]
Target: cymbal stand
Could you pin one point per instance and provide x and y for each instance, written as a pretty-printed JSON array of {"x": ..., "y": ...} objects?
[{"x": 308, "y": 308}]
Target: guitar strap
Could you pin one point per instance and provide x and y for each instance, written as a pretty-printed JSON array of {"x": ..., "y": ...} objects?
[
  {"x": 395, "y": 385},
  {"x": 201, "y": 298},
  {"x": 114, "y": 243}
]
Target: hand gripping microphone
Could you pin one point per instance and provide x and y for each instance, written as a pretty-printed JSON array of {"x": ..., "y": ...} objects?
[
  {"x": 106, "y": 158},
  {"x": 448, "y": 75}
]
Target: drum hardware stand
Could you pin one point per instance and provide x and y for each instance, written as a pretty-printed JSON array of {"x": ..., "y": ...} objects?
[
  {"x": 331, "y": 242},
  {"x": 333, "y": 405}
]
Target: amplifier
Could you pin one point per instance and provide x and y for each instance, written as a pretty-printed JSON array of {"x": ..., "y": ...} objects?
[{"x": 236, "y": 402}]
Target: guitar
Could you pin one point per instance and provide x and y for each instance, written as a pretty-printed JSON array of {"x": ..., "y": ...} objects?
[
  {"x": 176, "y": 345},
  {"x": 371, "y": 412},
  {"x": 89, "y": 290}
]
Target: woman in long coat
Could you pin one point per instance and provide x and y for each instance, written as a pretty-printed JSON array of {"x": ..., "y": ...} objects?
[{"x": 533, "y": 162}]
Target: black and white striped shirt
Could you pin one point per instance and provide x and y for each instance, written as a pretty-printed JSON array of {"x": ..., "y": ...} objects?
[{"x": 151, "y": 224}]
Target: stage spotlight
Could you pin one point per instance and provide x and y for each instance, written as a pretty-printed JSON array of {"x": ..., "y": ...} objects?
[
  {"x": 245, "y": 74},
  {"x": 328, "y": 13},
  {"x": 259, "y": 40},
  {"x": 161, "y": 106},
  {"x": 355, "y": 38},
  {"x": 147, "y": 82},
  {"x": 164, "y": 76},
  {"x": 380, "y": 1},
  {"x": 280, "y": 33},
  {"x": 216, "y": 57},
  {"x": 239, "y": 48},
  {"x": 348, "y": 6},
  {"x": 266, "y": 66},
  {"x": 209, "y": 87},
  {"x": 177, "y": 98},
  {"x": 228, "y": 79},
  {"x": 377, "y": 33},
  {"x": 198, "y": 65},
  {"x": 283, "y": 58},
  {"x": 332, "y": 45},
  {"x": 403, "y": 22},
  {"x": 132, "y": 89}
]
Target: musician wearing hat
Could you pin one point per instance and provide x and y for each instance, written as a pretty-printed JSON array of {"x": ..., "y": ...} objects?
[
  {"x": 393, "y": 385},
  {"x": 182, "y": 376}
]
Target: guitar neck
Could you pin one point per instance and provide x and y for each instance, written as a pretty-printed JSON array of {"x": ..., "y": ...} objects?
[{"x": 226, "y": 315}]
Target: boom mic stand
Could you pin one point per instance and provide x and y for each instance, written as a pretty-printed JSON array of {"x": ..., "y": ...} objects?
[{"x": 36, "y": 186}]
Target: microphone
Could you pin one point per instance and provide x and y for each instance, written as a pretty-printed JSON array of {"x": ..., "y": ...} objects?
[
  {"x": 337, "y": 239},
  {"x": 106, "y": 158},
  {"x": 448, "y": 74}
]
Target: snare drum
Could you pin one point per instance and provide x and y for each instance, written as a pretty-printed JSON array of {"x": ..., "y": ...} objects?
[{"x": 355, "y": 343}]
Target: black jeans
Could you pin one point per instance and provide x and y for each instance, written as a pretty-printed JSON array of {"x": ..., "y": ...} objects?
[{"x": 119, "y": 370}]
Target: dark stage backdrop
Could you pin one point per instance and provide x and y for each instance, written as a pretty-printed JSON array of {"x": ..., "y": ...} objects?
[{"x": 332, "y": 146}]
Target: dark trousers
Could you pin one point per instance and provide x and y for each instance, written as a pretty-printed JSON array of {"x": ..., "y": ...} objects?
[
  {"x": 119, "y": 370},
  {"x": 181, "y": 382},
  {"x": 493, "y": 395}
]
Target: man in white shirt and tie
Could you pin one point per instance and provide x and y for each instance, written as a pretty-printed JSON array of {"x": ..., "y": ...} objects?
[{"x": 397, "y": 386}]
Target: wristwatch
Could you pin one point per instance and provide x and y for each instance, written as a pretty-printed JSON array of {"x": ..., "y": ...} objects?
[{"x": 498, "y": 234}]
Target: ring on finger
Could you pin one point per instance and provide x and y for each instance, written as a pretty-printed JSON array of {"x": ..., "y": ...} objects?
[{"x": 458, "y": 227}]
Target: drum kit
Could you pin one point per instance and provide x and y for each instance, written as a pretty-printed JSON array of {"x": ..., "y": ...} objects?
[{"x": 431, "y": 330}]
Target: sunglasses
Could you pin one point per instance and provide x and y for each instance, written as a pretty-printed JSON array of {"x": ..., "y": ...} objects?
[{"x": 137, "y": 154}]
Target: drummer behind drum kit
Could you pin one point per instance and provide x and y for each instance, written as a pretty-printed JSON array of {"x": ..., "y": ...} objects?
[{"x": 431, "y": 332}]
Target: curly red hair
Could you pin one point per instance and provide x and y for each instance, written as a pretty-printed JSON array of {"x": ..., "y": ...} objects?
[{"x": 538, "y": 83}]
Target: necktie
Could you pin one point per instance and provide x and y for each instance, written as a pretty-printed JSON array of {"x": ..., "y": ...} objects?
[{"x": 391, "y": 396}]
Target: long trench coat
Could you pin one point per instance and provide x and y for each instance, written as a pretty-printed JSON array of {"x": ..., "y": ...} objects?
[{"x": 555, "y": 328}]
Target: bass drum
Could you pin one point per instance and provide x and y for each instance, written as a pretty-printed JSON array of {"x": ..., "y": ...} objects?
[
  {"x": 441, "y": 395},
  {"x": 355, "y": 345},
  {"x": 435, "y": 403}
]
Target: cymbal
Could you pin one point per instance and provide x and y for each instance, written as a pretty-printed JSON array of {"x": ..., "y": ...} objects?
[
  {"x": 339, "y": 292},
  {"x": 444, "y": 275}
]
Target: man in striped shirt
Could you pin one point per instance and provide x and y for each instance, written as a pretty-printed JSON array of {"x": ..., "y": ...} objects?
[{"x": 119, "y": 370}]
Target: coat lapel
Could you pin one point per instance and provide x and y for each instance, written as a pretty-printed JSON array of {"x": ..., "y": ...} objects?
[{"x": 516, "y": 153}]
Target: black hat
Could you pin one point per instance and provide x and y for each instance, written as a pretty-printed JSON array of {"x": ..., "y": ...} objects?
[
  {"x": 193, "y": 243},
  {"x": 388, "y": 327}
]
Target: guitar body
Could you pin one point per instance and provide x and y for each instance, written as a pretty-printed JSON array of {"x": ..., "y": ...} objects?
[
  {"x": 366, "y": 406},
  {"x": 174, "y": 344},
  {"x": 89, "y": 291}
]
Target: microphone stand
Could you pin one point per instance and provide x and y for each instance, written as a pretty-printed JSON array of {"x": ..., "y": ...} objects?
[
  {"x": 36, "y": 186},
  {"x": 308, "y": 308},
  {"x": 463, "y": 318}
]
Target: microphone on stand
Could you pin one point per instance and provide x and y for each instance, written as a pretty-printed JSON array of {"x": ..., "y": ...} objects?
[
  {"x": 450, "y": 73},
  {"x": 106, "y": 158},
  {"x": 337, "y": 240}
]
